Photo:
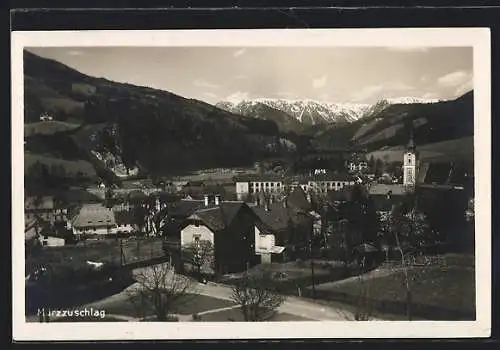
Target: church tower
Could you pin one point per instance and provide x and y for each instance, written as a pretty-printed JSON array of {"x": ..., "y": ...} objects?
[{"x": 410, "y": 163}]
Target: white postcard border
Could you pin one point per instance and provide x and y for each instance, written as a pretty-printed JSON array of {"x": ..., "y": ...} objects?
[{"x": 407, "y": 39}]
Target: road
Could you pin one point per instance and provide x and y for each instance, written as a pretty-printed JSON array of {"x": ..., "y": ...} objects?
[{"x": 292, "y": 305}]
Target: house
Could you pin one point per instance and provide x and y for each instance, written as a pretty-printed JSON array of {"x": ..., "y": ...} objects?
[
  {"x": 124, "y": 222},
  {"x": 328, "y": 182},
  {"x": 229, "y": 227},
  {"x": 249, "y": 184},
  {"x": 357, "y": 166},
  {"x": 93, "y": 220},
  {"x": 283, "y": 228}
]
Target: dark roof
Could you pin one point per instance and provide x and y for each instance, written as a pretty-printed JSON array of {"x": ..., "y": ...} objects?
[
  {"x": 125, "y": 217},
  {"x": 298, "y": 199},
  {"x": 277, "y": 218},
  {"x": 220, "y": 217},
  {"x": 384, "y": 203},
  {"x": 185, "y": 208},
  {"x": 341, "y": 195}
]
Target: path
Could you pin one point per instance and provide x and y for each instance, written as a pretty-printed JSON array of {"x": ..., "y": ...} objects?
[{"x": 377, "y": 273}]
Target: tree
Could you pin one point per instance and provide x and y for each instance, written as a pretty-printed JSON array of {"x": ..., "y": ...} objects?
[
  {"x": 161, "y": 289},
  {"x": 202, "y": 256},
  {"x": 379, "y": 168},
  {"x": 372, "y": 163},
  {"x": 256, "y": 296},
  {"x": 410, "y": 231}
]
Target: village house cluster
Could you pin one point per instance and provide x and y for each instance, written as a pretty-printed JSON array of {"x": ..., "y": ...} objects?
[{"x": 272, "y": 218}]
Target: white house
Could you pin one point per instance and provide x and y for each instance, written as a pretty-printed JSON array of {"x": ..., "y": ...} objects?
[{"x": 94, "y": 220}]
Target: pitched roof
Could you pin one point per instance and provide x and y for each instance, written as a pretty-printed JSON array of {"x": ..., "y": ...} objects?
[
  {"x": 94, "y": 215},
  {"x": 220, "y": 217},
  {"x": 383, "y": 189},
  {"x": 186, "y": 207},
  {"x": 298, "y": 199},
  {"x": 277, "y": 218}
]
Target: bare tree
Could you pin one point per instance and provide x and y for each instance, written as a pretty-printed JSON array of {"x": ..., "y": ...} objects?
[
  {"x": 410, "y": 232},
  {"x": 161, "y": 289},
  {"x": 202, "y": 256},
  {"x": 257, "y": 297}
]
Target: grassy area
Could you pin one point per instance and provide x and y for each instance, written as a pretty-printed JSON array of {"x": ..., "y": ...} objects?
[
  {"x": 290, "y": 276},
  {"x": 106, "y": 250},
  {"x": 192, "y": 303},
  {"x": 438, "y": 293},
  {"x": 71, "y": 167},
  {"x": 48, "y": 127}
]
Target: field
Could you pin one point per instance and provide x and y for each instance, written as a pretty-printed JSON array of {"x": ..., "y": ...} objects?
[
  {"x": 72, "y": 167},
  {"x": 444, "y": 292},
  {"x": 99, "y": 251},
  {"x": 395, "y": 154},
  {"x": 48, "y": 127}
]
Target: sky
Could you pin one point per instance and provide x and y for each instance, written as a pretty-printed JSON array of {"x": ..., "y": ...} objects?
[{"x": 330, "y": 74}]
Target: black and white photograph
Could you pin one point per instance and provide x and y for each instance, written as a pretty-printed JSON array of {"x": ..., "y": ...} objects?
[{"x": 281, "y": 183}]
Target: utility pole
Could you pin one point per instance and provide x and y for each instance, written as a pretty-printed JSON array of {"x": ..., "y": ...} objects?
[
  {"x": 121, "y": 253},
  {"x": 312, "y": 269}
]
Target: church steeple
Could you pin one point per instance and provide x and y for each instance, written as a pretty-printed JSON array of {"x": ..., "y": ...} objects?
[{"x": 410, "y": 162}]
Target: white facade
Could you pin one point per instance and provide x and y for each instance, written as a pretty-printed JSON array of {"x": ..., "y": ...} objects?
[
  {"x": 51, "y": 241},
  {"x": 191, "y": 233},
  {"x": 242, "y": 190},
  {"x": 266, "y": 186},
  {"x": 409, "y": 168},
  {"x": 265, "y": 246},
  {"x": 330, "y": 185}
]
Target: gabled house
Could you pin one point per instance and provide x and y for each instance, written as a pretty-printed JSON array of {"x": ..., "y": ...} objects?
[
  {"x": 284, "y": 228},
  {"x": 229, "y": 228},
  {"x": 124, "y": 222},
  {"x": 93, "y": 220}
]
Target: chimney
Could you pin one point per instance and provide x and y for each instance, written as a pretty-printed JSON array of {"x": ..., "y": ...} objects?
[
  {"x": 217, "y": 199},
  {"x": 206, "y": 200}
]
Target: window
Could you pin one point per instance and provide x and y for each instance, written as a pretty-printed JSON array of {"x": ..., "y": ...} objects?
[{"x": 267, "y": 184}]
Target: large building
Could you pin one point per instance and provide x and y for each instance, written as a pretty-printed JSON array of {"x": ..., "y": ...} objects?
[
  {"x": 250, "y": 184},
  {"x": 320, "y": 183}
]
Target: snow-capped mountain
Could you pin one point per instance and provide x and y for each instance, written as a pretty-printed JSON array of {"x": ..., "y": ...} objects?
[
  {"x": 310, "y": 112},
  {"x": 307, "y": 112},
  {"x": 409, "y": 100}
]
